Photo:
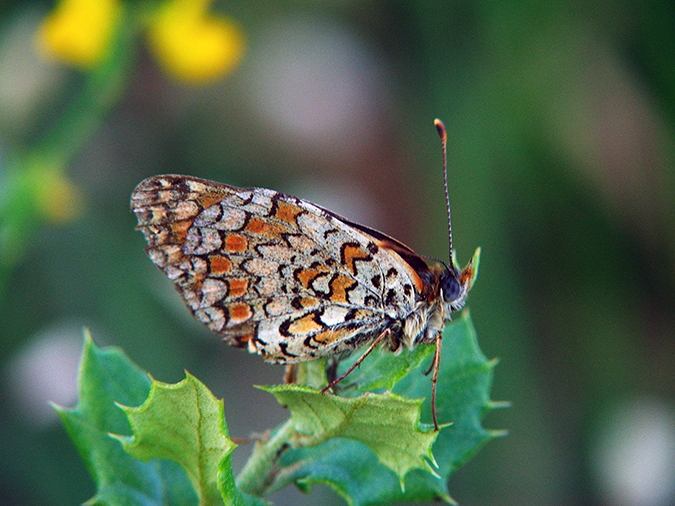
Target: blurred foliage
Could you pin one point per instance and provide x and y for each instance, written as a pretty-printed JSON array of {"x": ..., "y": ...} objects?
[{"x": 560, "y": 118}]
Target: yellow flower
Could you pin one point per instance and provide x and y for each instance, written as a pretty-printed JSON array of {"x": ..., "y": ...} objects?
[
  {"x": 56, "y": 198},
  {"x": 192, "y": 44},
  {"x": 79, "y": 31}
]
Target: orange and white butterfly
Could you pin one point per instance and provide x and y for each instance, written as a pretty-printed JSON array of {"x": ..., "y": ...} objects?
[{"x": 290, "y": 280}]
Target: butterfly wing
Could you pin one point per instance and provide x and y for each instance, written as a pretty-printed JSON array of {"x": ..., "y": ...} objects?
[{"x": 275, "y": 273}]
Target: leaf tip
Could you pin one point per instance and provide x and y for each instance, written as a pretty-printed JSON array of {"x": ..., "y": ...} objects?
[
  {"x": 88, "y": 345},
  {"x": 498, "y": 405},
  {"x": 494, "y": 433},
  {"x": 493, "y": 362},
  {"x": 449, "y": 500},
  {"x": 86, "y": 334},
  {"x": 124, "y": 440},
  {"x": 431, "y": 470},
  {"x": 57, "y": 407},
  {"x": 433, "y": 462}
]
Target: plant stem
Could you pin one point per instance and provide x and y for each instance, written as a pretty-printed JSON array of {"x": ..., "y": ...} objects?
[
  {"x": 101, "y": 91},
  {"x": 258, "y": 473}
]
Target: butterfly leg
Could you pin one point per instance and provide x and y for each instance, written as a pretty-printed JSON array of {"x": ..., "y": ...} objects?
[
  {"x": 290, "y": 373},
  {"x": 331, "y": 369},
  {"x": 377, "y": 341},
  {"x": 435, "y": 365}
]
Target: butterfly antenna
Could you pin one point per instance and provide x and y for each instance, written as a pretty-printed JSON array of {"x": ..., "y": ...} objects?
[{"x": 440, "y": 128}]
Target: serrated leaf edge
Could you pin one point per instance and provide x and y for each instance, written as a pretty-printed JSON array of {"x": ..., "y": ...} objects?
[
  {"x": 127, "y": 441},
  {"x": 354, "y": 403}
]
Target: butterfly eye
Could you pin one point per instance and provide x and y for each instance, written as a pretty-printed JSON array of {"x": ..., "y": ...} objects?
[{"x": 450, "y": 286}]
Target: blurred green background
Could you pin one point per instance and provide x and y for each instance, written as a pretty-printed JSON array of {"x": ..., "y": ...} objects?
[{"x": 561, "y": 121}]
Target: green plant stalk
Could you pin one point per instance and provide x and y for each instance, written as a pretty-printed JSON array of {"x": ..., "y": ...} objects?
[
  {"x": 102, "y": 89},
  {"x": 260, "y": 476},
  {"x": 259, "y": 472}
]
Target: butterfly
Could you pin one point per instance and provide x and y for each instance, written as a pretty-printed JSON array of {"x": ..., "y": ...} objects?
[{"x": 292, "y": 281}]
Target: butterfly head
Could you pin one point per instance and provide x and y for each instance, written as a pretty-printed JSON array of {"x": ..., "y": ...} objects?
[{"x": 455, "y": 283}]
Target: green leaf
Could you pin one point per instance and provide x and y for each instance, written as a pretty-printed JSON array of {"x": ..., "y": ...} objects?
[
  {"x": 108, "y": 379},
  {"x": 185, "y": 423},
  {"x": 356, "y": 474},
  {"x": 106, "y": 376},
  {"x": 463, "y": 399},
  {"x": 363, "y": 447},
  {"x": 381, "y": 369},
  {"x": 387, "y": 424},
  {"x": 312, "y": 374}
]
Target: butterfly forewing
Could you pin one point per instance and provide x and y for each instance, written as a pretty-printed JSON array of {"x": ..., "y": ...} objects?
[{"x": 275, "y": 273}]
